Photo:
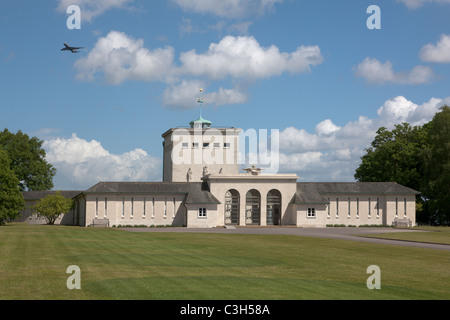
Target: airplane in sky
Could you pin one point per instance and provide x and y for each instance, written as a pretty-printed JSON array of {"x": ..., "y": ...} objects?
[{"x": 72, "y": 49}]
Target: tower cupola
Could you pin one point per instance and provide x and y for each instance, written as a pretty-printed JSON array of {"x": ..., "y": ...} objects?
[{"x": 200, "y": 123}]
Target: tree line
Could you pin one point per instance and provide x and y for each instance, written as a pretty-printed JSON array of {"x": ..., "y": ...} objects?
[{"x": 417, "y": 157}]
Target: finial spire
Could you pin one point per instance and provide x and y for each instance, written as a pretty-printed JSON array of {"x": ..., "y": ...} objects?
[
  {"x": 200, "y": 122},
  {"x": 200, "y": 101}
]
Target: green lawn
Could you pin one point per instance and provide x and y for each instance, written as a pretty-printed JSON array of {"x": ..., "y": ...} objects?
[
  {"x": 116, "y": 264},
  {"x": 439, "y": 235}
]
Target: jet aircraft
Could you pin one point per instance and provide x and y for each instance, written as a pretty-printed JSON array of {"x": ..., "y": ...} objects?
[{"x": 72, "y": 49}]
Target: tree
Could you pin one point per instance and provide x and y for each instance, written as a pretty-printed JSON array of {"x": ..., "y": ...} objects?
[
  {"x": 52, "y": 206},
  {"x": 28, "y": 161},
  {"x": 395, "y": 156},
  {"x": 417, "y": 157},
  {"x": 436, "y": 179},
  {"x": 11, "y": 198}
]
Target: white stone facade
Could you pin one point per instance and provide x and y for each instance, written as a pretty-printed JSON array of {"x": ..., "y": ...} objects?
[
  {"x": 203, "y": 188},
  {"x": 187, "y": 151},
  {"x": 358, "y": 210}
]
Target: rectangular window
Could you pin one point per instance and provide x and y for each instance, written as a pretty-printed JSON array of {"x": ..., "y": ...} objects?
[
  {"x": 216, "y": 145},
  {"x": 145, "y": 207},
  {"x": 123, "y": 208},
  {"x": 227, "y": 145},
  {"x": 153, "y": 208},
  {"x": 337, "y": 207},
  {"x": 378, "y": 207},
  {"x": 202, "y": 212},
  {"x": 311, "y": 213},
  {"x": 132, "y": 208},
  {"x": 368, "y": 210},
  {"x": 106, "y": 208},
  {"x": 96, "y": 207},
  {"x": 174, "y": 206},
  {"x": 205, "y": 145},
  {"x": 185, "y": 145},
  {"x": 396, "y": 207},
  {"x": 357, "y": 207},
  {"x": 165, "y": 208},
  {"x": 329, "y": 205},
  {"x": 195, "y": 145},
  {"x": 404, "y": 210},
  {"x": 348, "y": 212}
]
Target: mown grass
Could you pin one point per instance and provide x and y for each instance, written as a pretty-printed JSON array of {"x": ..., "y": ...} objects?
[
  {"x": 116, "y": 264},
  {"x": 439, "y": 235}
]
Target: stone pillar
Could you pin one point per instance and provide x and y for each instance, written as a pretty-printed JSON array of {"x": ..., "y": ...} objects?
[
  {"x": 263, "y": 210},
  {"x": 242, "y": 204}
]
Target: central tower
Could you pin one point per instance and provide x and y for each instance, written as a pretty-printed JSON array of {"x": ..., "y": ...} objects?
[
  {"x": 191, "y": 153},
  {"x": 194, "y": 152}
]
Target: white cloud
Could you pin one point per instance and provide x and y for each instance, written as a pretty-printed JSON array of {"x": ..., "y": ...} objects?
[
  {"x": 333, "y": 153},
  {"x": 226, "y": 96},
  {"x": 437, "y": 53},
  {"x": 80, "y": 164},
  {"x": 92, "y": 8},
  {"x": 326, "y": 127},
  {"x": 243, "y": 57},
  {"x": 120, "y": 58},
  {"x": 375, "y": 72},
  {"x": 414, "y": 4},
  {"x": 300, "y": 161},
  {"x": 299, "y": 140},
  {"x": 183, "y": 95},
  {"x": 400, "y": 109},
  {"x": 227, "y": 8}
]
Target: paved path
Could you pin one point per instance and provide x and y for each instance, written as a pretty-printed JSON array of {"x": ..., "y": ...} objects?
[{"x": 330, "y": 233}]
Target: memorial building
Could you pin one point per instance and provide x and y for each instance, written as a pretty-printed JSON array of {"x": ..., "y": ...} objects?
[{"x": 204, "y": 186}]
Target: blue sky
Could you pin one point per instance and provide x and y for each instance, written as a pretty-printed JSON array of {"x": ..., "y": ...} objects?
[{"x": 311, "y": 69}]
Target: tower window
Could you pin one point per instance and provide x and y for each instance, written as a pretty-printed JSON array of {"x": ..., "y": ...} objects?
[
  {"x": 205, "y": 145},
  {"x": 227, "y": 145},
  {"x": 195, "y": 145}
]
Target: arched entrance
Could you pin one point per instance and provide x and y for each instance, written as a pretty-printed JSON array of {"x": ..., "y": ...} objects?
[
  {"x": 232, "y": 207},
  {"x": 273, "y": 207},
  {"x": 253, "y": 207}
]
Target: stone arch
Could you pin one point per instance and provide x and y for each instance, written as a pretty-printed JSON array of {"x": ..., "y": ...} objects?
[
  {"x": 253, "y": 207},
  {"x": 273, "y": 211},
  {"x": 232, "y": 207}
]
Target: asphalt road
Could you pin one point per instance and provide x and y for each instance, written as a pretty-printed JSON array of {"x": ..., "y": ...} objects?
[{"x": 352, "y": 234}]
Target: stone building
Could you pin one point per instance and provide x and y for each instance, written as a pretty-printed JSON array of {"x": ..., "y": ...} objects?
[{"x": 204, "y": 187}]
